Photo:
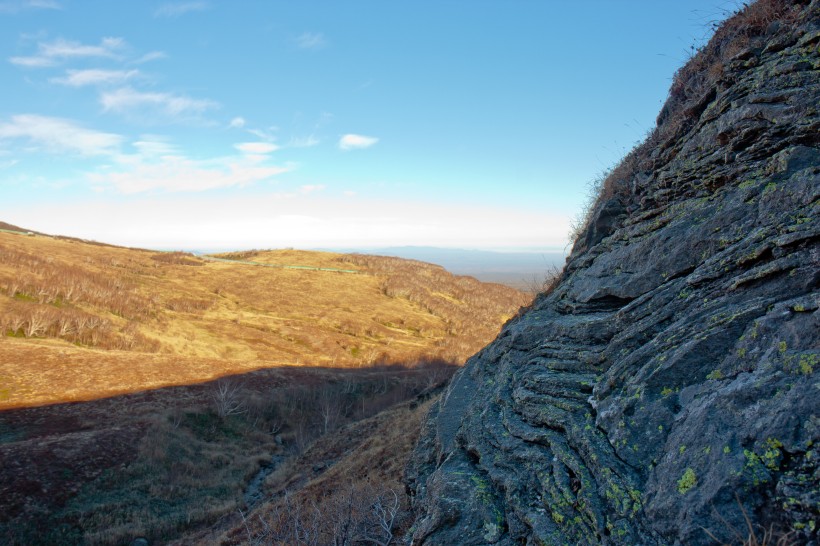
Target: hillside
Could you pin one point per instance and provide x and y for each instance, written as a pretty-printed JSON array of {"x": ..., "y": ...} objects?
[
  {"x": 665, "y": 389},
  {"x": 148, "y": 394},
  {"x": 124, "y": 320},
  {"x": 185, "y": 463}
]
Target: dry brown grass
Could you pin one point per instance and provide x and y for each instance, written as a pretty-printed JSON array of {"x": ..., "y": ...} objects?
[
  {"x": 85, "y": 320},
  {"x": 165, "y": 462},
  {"x": 755, "y": 535},
  {"x": 693, "y": 87},
  {"x": 338, "y": 476}
]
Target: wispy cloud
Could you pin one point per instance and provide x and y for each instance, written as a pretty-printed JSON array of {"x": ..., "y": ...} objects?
[
  {"x": 15, "y": 7},
  {"x": 268, "y": 133},
  {"x": 256, "y": 147},
  {"x": 59, "y": 135},
  {"x": 237, "y": 123},
  {"x": 182, "y": 174},
  {"x": 44, "y": 4},
  {"x": 176, "y": 9},
  {"x": 32, "y": 62},
  {"x": 311, "y": 40},
  {"x": 154, "y": 107},
  {"x": 303, "y": 142},
  {"x": 311, "y": 188},
  {"x": 150, "y": 56},
  {"x": 52, "y": 53},
  {"x": 82, "y": 78},
  {"x": 356, "y": 142},
  {"x": 154, "y": 146}
]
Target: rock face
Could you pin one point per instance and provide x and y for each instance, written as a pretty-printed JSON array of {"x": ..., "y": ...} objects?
[{"x": 668, "y": 384}]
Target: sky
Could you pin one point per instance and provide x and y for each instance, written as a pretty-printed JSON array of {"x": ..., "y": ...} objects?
[{"x": 320, "y": 124}]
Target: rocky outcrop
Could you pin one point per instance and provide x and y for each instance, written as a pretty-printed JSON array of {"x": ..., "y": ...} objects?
[{"x": 668, "y": 384}]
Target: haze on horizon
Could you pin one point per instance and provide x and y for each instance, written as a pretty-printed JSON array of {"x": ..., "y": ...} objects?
[{"x": 205, "y": 124}]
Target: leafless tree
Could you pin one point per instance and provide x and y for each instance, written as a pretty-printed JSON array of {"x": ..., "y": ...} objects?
[
  {"x": 383, "y": 513},
  {"x": 330, "y": 408},
  {"x": 15, "y": 322},
  {"x": 227, "y": 399},
  {"x": 12, "y": 288},
  {"x": 37, "y": 323},
  {"x": 356, "y": 514},
  {"x": 65, "y": 326}
]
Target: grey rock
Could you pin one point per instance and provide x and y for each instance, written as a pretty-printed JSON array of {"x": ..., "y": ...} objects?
[{"x": 668, "y": 385}]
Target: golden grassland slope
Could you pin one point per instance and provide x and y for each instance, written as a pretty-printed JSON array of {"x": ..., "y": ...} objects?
[{"x": 82, "y": 320}]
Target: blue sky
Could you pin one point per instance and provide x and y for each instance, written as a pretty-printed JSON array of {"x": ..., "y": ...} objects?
[{"x": 206, "y": 124}]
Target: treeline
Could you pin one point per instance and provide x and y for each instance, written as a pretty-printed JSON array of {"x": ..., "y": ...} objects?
[
  {"x": 72, "y": 325},
  {"x": 300, "y": 413},
  {"x": 44, "y": 280}
]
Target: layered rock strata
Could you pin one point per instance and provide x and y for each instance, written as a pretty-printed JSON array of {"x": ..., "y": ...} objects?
[{"x": 668, "y": 385}]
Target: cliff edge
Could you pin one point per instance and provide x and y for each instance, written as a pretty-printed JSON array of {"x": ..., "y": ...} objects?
[{"x": 667, "y": 387}]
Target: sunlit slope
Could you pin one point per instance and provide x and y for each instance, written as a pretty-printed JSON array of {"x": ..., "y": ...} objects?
[{"x": 82, "y": 320}]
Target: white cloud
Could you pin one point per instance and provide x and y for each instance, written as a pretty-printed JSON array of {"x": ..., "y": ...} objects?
[
  {"x": 311, "y": 40},
  {"x": 164, "y": 107},
  {"x": 175, "y": 9},
  {"x": 265, "y": 134},
  {"x": 356, "y": 142},
  {"x": 256, "y": 147},
  {"x": 43, "y": 4},
  {"x": 237, "y": 123},
  {"x": 154, "y": 145},
  {"x": 311, "y": 188},
  {"x": 305, "y": 142},
  {"x": 15, "y": 7},
  {"x": 150, "y": 56},
  {"x": 65, "y": 49},
  {"x": 270, "y": 220},
  {"x": 50, "y": 53},
  {"x": 81, "y": 78},
  {"x": 59, "y": 135},
  {"x": 32, "y": 62},
  {"x": 181, "y": 174}
]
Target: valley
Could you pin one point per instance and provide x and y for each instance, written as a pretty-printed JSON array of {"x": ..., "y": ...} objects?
[{"x": 156, "y": 394}]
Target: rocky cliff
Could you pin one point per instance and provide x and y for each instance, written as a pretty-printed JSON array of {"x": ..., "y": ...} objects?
[{"x": 668, "y": 384}]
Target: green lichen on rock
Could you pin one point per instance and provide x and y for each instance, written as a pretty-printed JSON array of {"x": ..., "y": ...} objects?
[
  {"x": 687, "y": 481},
  {"x": 686, "y": 316}
]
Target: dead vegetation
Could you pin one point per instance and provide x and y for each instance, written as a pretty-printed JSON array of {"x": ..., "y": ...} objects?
[
  {"x": 177, "y": 258},
  {"x": 345, "y": 488},
  {"x": 735, "y": 40},
  {"x": 470, "y": 309},
  {"x": 172, "y": 462},
  {"x": 63, "y": 301},
  {"x": 90, "y": 322}
]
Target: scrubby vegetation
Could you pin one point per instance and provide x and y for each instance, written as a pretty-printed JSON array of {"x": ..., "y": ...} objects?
[
  {"x": 68, "y": 297},
  {"x": 196, "y": 449},
  {"x": 114, "y": 329},
  {"x": 693, "y": 87}
]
